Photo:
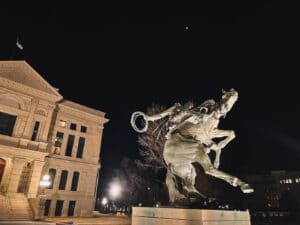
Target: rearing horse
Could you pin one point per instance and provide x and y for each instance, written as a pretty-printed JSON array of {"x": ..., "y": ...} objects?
[{"x": 190, "y": 139}]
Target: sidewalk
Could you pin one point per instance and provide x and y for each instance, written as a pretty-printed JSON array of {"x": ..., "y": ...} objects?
[{"x": 103, "y": 219}]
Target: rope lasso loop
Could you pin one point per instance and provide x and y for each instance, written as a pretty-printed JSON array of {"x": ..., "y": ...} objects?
[{"x": 134, "y": 116}]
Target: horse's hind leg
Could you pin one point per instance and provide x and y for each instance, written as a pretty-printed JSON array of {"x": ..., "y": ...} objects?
[
  {"x": 190, "y": 180},
  {"x": 187, "y": 172},
  {"x": 209, "y": 169},
  {"x": 174, "y": 194}
]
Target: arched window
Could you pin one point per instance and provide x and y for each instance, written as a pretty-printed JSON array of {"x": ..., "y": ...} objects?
[
  {"x": 52, "y": 173},
  {"x": 75, "y": 181}
]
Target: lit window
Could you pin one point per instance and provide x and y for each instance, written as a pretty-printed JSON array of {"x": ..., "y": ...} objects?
[
  {"x": 52, "y": 173},
  {"x": 290, "y": 180},
  {"x": 62, "y": 123}
]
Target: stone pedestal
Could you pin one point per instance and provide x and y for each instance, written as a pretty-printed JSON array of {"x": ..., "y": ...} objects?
[{"x": 177, "y": 216}]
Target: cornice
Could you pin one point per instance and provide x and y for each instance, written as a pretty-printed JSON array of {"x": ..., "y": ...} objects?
[
  {"x": 28, "y": 90},
  {"x": 23, "y": 66},
  {"x": 82, "y": 114}
]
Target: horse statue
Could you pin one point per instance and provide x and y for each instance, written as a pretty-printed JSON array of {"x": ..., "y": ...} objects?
[{"x": 189, "y": 140}]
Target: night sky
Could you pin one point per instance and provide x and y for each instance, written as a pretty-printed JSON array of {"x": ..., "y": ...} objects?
[{"x": 122, "y": 58}]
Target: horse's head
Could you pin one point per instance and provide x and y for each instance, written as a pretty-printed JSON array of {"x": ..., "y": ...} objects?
[{"x": 227, "y": 101}]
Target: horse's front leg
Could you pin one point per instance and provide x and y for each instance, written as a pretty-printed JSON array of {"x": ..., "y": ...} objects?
[{"x": 229, "y": 134}]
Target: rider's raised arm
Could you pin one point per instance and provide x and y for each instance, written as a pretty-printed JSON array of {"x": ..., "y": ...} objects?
[{"x": 163, "y": 114}]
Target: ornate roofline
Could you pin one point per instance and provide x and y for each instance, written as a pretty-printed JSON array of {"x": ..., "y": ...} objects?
[
  {"x": 23, "y": 65},
  {"x": 70, "y": 107},
  {"x": 26, "y": 89}
]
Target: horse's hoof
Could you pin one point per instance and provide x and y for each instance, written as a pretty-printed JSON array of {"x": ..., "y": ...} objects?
[{"x": 245, "y": 188}]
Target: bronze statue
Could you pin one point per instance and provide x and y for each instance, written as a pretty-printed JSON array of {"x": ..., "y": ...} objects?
[{"x": 189, "y": 140}]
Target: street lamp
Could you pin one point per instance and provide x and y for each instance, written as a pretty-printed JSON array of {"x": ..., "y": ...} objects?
[
  {"x": 104, "y": 201},
  {"x": 44, "y": 183},
  {"x": 115, "y": 190}
]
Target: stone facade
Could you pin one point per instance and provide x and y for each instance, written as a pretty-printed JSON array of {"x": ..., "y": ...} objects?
[{"x": 42, "y": 133}]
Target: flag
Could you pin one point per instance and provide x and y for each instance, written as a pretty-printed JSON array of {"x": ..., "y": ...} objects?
[{"x": 19, "y": 45}]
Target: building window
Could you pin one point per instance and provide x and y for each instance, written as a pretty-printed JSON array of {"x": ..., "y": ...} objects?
[
  {"x": 47, "y": 207},
  {"x": 71, "y": 208},
  {"x": 81, "y": 143},
  {"x": 59, "y": 139},
  {"x": 73, "y": 126},
  {"x": 63, "y": 180},
  {"x": 7, "y": 123},
  {"x": 52, "y": 173},
  {"x": 62, "y": 123},
  {"x": 35, "y": 130},
  {"x": 59, "y": 207},
  {"x": 83, "y": 129},
  {"x": 75, "y": 181},
  {"x": 70, "y": 145}
]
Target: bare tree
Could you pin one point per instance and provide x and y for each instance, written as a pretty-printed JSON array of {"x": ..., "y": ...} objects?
[{"x": 152, "y": 141}]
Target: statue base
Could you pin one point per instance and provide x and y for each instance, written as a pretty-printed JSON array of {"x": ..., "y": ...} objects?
[{"x": 177, "y": 216}]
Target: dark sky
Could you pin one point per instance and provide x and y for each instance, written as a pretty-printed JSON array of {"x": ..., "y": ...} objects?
[{"x": 122, "y": 58}]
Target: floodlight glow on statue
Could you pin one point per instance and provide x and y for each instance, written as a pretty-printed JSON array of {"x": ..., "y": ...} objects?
[{"x": 189, "y": 139}]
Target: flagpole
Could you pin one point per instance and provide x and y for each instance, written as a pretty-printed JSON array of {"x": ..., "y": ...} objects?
[
  {"x": 12, "y": 53},
  {"x": 18, "y": 45}
]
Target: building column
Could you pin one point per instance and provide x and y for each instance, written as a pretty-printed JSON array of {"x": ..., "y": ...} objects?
[
  {"x": 47, "y": 122},
  {"x": 35, "y": 179},
  {"x": 17, "y": 168},
  {"x": 30, "y": 120}
]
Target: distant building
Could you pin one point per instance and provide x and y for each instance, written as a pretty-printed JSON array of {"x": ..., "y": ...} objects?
[
  {"x": 42, "y": 133},
  {"x": 272, "y": 189}
]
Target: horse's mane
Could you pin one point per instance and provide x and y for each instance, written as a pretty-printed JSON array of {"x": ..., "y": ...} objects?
[{"x": 207, "y": 107}]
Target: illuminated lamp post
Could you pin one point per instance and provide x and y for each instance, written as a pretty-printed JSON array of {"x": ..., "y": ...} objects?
[{"x": 44, "y": 183}]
